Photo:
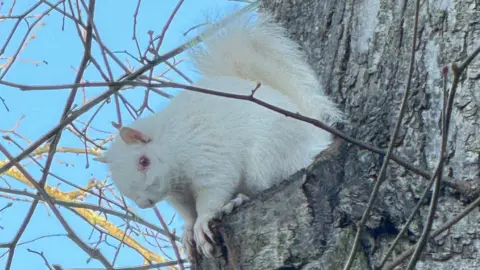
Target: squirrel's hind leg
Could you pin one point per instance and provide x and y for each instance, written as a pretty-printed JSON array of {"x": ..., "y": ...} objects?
[{"x": 232, "y": 204}]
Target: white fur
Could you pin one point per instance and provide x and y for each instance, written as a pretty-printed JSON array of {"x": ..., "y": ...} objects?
[
  {"x": 257, "y": 49},
  {"x": 206, "y": 149}
]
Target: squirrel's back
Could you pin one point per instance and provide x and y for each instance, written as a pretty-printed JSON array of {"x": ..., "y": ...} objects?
[{"x": 258, "y": 49}]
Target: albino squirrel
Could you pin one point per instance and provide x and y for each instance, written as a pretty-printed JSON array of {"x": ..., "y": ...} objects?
[{"x": 206, "y": 154}]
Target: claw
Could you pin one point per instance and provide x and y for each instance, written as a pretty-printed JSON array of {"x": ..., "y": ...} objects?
[
  {"x": 201, "y": 231},
  {"x": 187, "y": 241},
  {"x": 236, "y": 202}
]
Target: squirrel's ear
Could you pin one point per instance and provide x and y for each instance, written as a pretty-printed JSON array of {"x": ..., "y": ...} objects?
[
  {"x": 130, "y": 136},
  {"x": 102, "y": 158}
]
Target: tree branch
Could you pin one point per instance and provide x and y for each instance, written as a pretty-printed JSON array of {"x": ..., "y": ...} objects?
[
  {"x": 96, "y": 254},
  {"x": 383, "y": 169}
]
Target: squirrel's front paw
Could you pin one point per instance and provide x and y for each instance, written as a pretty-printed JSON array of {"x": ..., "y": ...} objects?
[
  {"x": 232, "y": 204},
  {"x": 187, "y": 241},
  {"x": 201, "y": 231}
]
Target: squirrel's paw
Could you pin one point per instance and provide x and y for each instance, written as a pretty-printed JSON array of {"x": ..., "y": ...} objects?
[
  {"x": 187, "y": 241},
  {"x": 201, "y": 231},
  {"x": 236, "y": 202}
]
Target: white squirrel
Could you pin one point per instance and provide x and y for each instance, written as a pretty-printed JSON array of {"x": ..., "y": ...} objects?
[{"x": 205, "y": 154}]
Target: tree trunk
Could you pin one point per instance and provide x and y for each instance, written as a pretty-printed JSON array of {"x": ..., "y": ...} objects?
[{"x": 361, "y": 51}]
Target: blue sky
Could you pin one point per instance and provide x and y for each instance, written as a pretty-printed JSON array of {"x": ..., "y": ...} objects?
[{"x": 62, "y": 50}]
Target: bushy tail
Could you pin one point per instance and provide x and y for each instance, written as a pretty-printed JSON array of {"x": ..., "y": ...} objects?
[{"x": 258, "y": 49}]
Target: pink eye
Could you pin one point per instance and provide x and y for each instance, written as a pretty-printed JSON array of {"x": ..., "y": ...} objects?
[{"x": 144, "y": 161}]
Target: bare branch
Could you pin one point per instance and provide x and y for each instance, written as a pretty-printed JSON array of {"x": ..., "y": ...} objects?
[
  {"x": 383, "y": 169},
  {"x": 170, "y": 236},
  {"x": 96, "y": 254},
  {"x": 21, "y": 47},
  {"x": 409, "y": 220},
  {"x": 19, "y": 19},
  {"x": 438, "y": 231},
  {"x": 132, "y": 76},
  {"x": 20, "y": 232},
  {"x": 6, "y": 206},
  {"x": 4, "y": 104},
  {"x": 127, "y": 216},
  {"x": 42, "y": 256}
]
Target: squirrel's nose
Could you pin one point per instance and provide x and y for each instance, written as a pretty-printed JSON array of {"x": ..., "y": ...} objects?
[{"x": 143, "y": 202}]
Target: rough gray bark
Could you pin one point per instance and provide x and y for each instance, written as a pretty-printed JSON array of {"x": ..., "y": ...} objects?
[{"x": 361, "y": 50}]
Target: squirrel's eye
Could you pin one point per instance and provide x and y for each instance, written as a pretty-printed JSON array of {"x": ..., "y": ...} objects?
[{"x": 144, "y": 161}]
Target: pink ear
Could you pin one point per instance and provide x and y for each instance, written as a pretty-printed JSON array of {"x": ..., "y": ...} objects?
[{"x": 130, "y": 136}]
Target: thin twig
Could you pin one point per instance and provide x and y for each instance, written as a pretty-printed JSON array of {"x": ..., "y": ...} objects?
[
  {"x": 446, "y": 118},
  {"x": 442, "y": 228},
  {"x": 171, "y": 237},
  {"x": 20, "y": 232},
  {"x": 127, "y": 216},
  {"x": 6, "y": 206},
  {"x": 42, "y": 256},
  {"x": 19, "y": 19},
  {"x": 134, "y": 36},
  {"x": 383, "y": 170},
  {"x": 41, "y": 237},
  {"x": 167, "y": 25},
  {"x": 71, "y": 97},
  {"x": 409, "y": 220},
  {"x": 115, "y": 85},
  {"x": 96, "y": 254},
  {"x": 106, "y": 94},
  {"x": 120, "y": 244},
  {"x": 4, "y": 104},
  {"x": 21, "y": 46}
]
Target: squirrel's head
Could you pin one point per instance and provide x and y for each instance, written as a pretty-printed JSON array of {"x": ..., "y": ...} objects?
[{"x": 138, "y": 169}]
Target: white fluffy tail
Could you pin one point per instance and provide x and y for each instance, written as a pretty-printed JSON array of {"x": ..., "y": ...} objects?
[{"x": 258, "y": 49}]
